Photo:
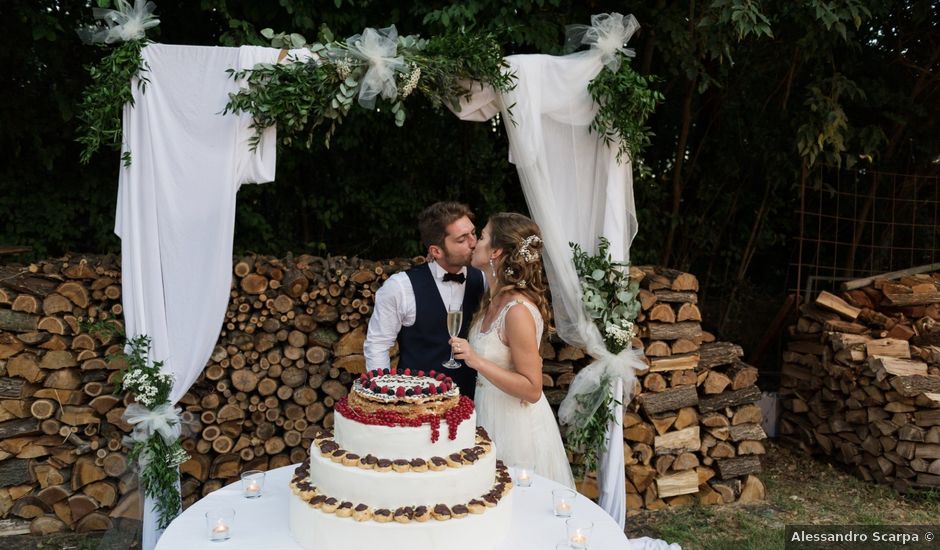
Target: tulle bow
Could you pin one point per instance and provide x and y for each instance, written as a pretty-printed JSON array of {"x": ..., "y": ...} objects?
[
  {"x": 378, "y": 48},
  {"x": 123, "y": 24},
  {"x": 608, "y": 35},
  {"x": 164, "y": 420},
  {"x": 583, "y": 399}
]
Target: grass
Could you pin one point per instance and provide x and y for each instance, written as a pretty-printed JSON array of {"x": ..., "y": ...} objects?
[{"x": 800, "y": 490}]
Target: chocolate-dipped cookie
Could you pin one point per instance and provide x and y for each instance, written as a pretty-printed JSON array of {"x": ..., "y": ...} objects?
[
  {"x": 362, "y": 513},
  {"x": 382, "y": 515},
  {"x": 418, "y": 465},
  {"x": 344, "y": 510}
]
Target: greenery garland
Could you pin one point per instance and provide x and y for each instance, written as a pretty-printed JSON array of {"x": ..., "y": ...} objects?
[
  {"x": 625, "y": 100},
  {"x": 586, "y": 441},
  {"x": 610, "y": 300},
  {"x": 158, "y": 455},
  {"x": 302, "y": 97},
  {"x": 608, "y": 295},
  {"x": 104, "y": 98}
]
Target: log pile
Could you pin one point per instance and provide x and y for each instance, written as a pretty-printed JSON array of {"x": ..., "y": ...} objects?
[
  {"x": 62, "y": 464},
  {"x": 693, "y": 433},
  {"x": 861, "y": 380},
  {"x": 290, "y": 345}
]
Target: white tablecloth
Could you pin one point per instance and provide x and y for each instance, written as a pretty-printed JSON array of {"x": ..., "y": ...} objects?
[{"x": 261, "y": 523}]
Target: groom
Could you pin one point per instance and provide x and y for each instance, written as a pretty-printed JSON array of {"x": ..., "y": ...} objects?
[{"x": 411, "y": 307}]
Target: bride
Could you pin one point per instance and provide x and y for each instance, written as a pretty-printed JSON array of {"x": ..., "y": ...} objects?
[{"x": 503, "y": 348}]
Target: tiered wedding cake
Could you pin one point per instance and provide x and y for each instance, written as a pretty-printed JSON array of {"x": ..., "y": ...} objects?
[{"x": 406, "y": 468}]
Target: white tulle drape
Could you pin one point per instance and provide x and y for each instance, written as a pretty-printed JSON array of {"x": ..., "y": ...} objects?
[
  {"x": 126, "y": 22},
  {"x": 576, "y": 191}
]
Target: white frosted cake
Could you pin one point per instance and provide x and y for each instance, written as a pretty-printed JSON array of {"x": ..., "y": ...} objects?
[{"x": 405, "y": 469}]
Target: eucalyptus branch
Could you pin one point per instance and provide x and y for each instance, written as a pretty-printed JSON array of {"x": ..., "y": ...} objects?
[{"x": 610, "y": 301}]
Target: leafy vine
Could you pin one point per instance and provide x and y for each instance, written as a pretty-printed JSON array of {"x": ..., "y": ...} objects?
[
  {"x": 310, "y": 99},
  {"x": 104, "y": 98}
]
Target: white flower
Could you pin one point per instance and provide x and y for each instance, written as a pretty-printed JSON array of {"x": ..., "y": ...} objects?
[
  {"x": 411, "y": 82},
  {"x": 178, "y": 457},
  {"x": 343, "y": 68},
  {"x": 528, "y": 255}
]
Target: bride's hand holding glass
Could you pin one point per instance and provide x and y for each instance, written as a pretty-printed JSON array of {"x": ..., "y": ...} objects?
[{"x": 462, "y": 351}]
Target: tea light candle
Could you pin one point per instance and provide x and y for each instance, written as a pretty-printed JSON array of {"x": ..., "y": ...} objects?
[
  {"x": 252, "y": 483},
  {"x": 579, "y": 532},
  {"x": 563, "y": 502},
  {"x": 524, "y": 474},
  {"x": 219, "y": 524},
  {"x": 220, "y": 528}
]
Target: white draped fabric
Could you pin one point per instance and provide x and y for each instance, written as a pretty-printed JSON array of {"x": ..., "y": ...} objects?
[
  {"x": 576, "y": 191},
  {"x": 611, "y": 472},
  {"x": 176, "y": 205}
]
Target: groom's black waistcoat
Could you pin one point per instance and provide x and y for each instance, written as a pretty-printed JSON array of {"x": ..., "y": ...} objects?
[{"x": 424, "y": 345}]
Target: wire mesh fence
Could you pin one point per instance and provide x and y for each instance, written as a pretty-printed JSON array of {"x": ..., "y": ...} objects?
[{"x": 859, "y": 223}]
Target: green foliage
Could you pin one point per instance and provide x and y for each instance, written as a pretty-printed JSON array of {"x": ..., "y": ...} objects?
[
  {"x": 103, "y": 100},
  {"x": 158, "y": 457},
  {"x": 626, "y": 100},
  {"x": 160, "y": 475},
  {"x": 751, "y": 105},
  {"x": 609, "y": 298},
  {"x": 104, "y": 329},
  {"x": 586, "y": 442},
  {"x": 608, "y": 295},
  {"x": 307, "y": 100}
]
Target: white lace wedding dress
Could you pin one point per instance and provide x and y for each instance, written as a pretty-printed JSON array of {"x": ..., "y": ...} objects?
[{"x": 524, "y": 433}]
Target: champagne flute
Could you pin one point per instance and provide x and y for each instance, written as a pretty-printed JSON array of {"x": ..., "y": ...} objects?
[{"x": 454, "y": 321}]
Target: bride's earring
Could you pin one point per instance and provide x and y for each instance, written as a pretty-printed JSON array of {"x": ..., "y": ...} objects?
[{"x": 493, "y": 268}]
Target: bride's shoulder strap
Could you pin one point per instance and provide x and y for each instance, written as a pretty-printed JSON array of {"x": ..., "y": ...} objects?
[{"x": 534, "y": 311}]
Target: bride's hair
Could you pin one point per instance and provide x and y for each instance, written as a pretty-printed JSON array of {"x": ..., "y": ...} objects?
[{"x": 520, "y": 267}]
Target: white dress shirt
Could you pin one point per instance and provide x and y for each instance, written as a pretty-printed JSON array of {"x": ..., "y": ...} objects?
[{"x": 395, "y": 308}]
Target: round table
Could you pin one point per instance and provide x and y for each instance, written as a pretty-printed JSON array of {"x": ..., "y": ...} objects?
[{"x": 261, "y": 523}]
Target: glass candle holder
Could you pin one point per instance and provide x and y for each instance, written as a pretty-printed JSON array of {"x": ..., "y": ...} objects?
[
  {"x": 523, "y": 474},
  {"x": 579, "y": 532},
  {"x": 563, "y": 502},
  {"x": 219, "y": 524},
  {"x": 252, "y": 483}
]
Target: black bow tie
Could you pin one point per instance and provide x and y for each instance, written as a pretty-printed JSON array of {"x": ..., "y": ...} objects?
[{"x": 455, "y": 277}]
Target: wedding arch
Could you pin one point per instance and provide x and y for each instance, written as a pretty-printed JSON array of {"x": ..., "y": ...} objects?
[{"x": 195, "y": 123}]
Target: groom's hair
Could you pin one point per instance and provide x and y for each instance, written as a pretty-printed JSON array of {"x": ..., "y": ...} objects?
[{"x": 433, "y": 221}]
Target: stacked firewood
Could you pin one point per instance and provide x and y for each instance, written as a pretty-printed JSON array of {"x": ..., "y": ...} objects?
[
  {"x": 62, "y": 461},
  {"x": 290, "y": 345},
  {"x": 861, "y": 379},
  {"x": 693, "y": 433}
]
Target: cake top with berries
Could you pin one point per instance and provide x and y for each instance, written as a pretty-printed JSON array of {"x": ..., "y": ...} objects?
[
  {"x": 393, "y": 386},
  {"x": 404, "y": 391}
]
